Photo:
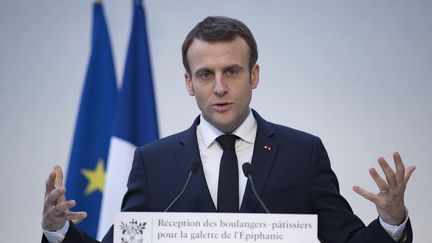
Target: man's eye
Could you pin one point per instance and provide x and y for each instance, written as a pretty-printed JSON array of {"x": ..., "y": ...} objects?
[
  {"x": 205, "y": 75},
  {"x": 232, "y": 72}
]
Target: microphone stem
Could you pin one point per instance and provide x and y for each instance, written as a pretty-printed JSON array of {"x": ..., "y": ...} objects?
[
  {"x": 181, "y": 193},
  {"x": 256, "y": 195}
]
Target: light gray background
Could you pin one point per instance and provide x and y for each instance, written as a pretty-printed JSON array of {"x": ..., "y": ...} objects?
[{"x": 356, "y": 73}]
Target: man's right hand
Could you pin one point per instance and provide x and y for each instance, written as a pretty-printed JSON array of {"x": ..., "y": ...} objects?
[{"x": 56, "y": 208}]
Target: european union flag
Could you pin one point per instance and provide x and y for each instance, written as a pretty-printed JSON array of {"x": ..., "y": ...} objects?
[
  {"x": 136, "y": 121},
  {"x": 94, "y": 127}
]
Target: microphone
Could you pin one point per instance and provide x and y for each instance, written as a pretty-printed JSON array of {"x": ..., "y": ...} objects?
[
  {"x": 247, "y": 171},
  {"x": 193, "y": 168}
]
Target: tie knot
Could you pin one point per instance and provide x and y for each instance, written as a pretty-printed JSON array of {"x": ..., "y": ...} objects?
[{"x": 227, "y": 142}]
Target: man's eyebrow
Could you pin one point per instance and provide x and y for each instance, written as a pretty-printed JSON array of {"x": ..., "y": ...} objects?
[
  {"x": 201, "y": 70},
  {"x": 204, "y": 69},
  {"x": 235, "y": 66}
]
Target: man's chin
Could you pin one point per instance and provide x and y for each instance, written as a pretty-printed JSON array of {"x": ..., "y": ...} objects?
[{"x": 227, "y": 127}]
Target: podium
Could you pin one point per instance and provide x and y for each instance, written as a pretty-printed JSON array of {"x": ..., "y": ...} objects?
[{"x": 152, "y": 227}]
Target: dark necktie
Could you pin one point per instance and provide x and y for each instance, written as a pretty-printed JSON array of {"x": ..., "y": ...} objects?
[{"x": 228, "y": 186}]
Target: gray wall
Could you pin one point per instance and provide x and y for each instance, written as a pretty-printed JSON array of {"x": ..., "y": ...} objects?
[{"x": 356, "y": 73}]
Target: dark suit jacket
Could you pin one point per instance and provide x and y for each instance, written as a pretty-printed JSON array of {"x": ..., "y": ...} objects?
[{"x": 294, "y": 176}]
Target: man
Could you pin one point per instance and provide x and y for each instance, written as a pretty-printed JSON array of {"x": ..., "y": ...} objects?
[{"x": 292, "y": 169}]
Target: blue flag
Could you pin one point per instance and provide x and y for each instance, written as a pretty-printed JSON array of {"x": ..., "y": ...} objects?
[
  {"x": 94, "y": 127},
  {"x": 136, "y": 121}
]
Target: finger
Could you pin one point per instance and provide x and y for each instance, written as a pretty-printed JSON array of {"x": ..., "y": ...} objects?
[
  {"x": 408, "y": 173},
  {"x": 59, "y": 176},
  {"x": 400, "y": 167},
  {"x": 368, "y": 195},
  {"x": 381, "y": 183},
  {"x": 388, "y": 171},
  {"x": 76, "y": 215},
  {"x": 55, "y": 196},
  {"x": 49, "y": 183},
  {"x": 64, "y": 206}
]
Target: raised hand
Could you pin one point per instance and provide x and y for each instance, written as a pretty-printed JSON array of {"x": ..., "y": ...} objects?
[
  {"x": 389, "y": 201},
  {"x": 56, "y": 207}
]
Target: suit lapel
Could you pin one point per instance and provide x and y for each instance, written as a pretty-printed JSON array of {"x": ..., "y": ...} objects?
[
  {"x": 186, "y": 154},
  {"x": 264, "y": 153}
]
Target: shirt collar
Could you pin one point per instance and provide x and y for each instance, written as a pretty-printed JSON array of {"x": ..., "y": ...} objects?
[{"x": 245, "y": 131}]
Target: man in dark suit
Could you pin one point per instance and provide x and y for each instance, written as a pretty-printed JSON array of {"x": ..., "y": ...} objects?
[{"x": 291, "y": 168}]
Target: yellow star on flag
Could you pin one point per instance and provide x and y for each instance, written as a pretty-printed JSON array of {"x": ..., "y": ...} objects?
[{"x": 96, "y": 178}]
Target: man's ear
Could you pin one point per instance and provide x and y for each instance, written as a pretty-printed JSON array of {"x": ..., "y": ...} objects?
[
  {"x": 188, "y": 83},
  {"x": 255, "y": 76}
]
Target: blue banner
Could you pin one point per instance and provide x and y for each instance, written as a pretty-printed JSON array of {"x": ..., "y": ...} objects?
[
  {"x": 136, "y": 119},
  {"x": 86, "y": 174}
]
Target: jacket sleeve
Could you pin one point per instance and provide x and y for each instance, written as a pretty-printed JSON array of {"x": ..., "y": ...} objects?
[
  {"x": 75, "y": 235},
  {"x": 336, "y": 220}
]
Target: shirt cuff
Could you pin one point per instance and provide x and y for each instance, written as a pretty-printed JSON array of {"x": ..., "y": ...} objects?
[
  {"x": 395, "y": 231},
  {"x": 56, "y": 236}
]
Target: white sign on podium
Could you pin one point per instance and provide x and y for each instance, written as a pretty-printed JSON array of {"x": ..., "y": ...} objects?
[{"x": 152, "y": 227}]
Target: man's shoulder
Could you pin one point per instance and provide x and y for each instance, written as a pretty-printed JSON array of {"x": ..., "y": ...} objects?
[
  {"x": 289, "y": 133},
  {"x": 171, "y": 141},
  {"x": 286, "y": 130},
  {"x": 279, "y": 131}
]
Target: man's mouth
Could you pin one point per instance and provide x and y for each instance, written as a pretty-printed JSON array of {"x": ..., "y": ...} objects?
[{"x": 222, "y": 106}]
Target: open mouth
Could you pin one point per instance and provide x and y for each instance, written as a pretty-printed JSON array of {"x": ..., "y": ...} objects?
[{"x": 223, "y": 106}]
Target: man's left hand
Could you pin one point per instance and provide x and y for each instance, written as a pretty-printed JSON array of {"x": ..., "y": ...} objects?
[{"x": 389, "y": 201}]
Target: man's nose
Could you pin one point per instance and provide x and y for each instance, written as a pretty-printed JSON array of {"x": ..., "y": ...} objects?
[{"x": 220, "y": 87}]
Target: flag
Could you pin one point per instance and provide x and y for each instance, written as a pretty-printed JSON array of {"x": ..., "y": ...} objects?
[
  {"x": 94, "y": 127},
  {"x": 136, "y": 121}
]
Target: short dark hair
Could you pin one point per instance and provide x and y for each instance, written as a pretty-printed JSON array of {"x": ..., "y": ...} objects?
[{"x": 219, "y": 28}]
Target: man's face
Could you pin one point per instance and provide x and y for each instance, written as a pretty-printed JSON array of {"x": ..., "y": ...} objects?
[{"x": 221, "y": 81}]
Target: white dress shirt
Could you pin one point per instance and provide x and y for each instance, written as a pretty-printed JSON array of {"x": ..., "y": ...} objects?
[{"x": 211, "y": 152}]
